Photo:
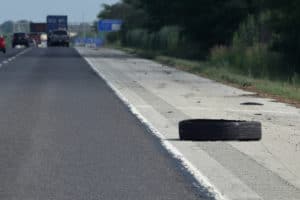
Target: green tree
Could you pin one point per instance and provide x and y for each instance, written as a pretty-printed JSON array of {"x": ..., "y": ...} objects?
[
  {"x": 285, "y": 25},
  {"x": 7, "y": 27},
  {"x": 204, "y": 23}
]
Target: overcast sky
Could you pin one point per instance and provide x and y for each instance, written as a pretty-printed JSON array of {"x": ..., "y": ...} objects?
[{"x": 37, "y": 10}]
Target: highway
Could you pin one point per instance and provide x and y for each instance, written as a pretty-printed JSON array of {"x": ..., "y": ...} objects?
[
  {"x": 64, "y": 135},
  {"x": 11, "y": 53}
]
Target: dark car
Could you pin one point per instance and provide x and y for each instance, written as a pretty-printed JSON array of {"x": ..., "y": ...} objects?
[
  {"x": 59, "y": 38},
  {"x": 20, "y": 39},
  {"x": 2, "y": 44}
]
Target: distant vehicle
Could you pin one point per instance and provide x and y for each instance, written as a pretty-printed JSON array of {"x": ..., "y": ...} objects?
[
  {"x": 36, "y": 37},
  {"x": 2, "y": 44},
  {"x": 32, "y": 42},
  {"x": 36, "y": 30},
  {"x": 38, "y": 27},
  {"x": 20, "y": 39},
  {"x": 57, "y": 27},
  {"x": 57, "y": 22},
  {"x": 44, "y": 37},
  {"x": 58, "y": 38}
]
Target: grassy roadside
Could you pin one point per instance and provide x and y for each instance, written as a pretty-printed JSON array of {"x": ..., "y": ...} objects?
[{"x": 281, "y": 91}]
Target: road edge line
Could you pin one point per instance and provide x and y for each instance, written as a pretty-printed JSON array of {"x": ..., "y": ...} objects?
[{"x": 202, "y": 179}]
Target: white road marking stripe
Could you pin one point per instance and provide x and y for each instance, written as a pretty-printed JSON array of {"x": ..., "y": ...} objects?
[
  {"x": 14, "y": 57},
  {"x": 201, "y": 178}
]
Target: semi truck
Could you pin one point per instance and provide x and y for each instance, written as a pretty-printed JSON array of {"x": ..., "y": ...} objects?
[
  {"x": 57, "y": 22},
  {"x": 57, "y": 30},
  {"x": 36, "y": 30},
  {"x": 38, "y": 27}
]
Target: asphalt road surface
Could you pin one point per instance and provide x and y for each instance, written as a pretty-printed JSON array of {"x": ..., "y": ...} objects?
[
  {"x": 9, "y": 54},
  {"x": 64, "y": 135}
]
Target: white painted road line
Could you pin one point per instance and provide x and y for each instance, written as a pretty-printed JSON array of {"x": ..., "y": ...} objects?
[
  {"x": 8, "y": 60},
  {"x": 266, "y": 167},
  {"x": 201, "y": 178},
  {"x": 235, "y": 189}
]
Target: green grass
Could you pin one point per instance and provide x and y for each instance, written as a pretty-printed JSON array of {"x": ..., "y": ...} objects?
[{"x": 278, "y": 89}]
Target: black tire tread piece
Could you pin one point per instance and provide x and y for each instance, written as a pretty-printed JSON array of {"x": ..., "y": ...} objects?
[{"x": 219, "y": 130}]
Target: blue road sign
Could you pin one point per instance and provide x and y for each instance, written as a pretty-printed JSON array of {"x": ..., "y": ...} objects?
[{"x": 109, "y": 25}]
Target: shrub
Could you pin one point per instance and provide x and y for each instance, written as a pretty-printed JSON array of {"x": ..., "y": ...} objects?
[
  {"x": 169, "y": 38},
  {"x": 249, "y": 54},
  {"x": 136, "y": 38},
  {"x": 254, "y": 61},
  {"x": 112, "y": 37},
  {"x": 220, "y": 55},
  {"x": 247, "y": 34}
]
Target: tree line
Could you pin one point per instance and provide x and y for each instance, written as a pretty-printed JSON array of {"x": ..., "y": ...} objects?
[{"x": 215, "y": 29}]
